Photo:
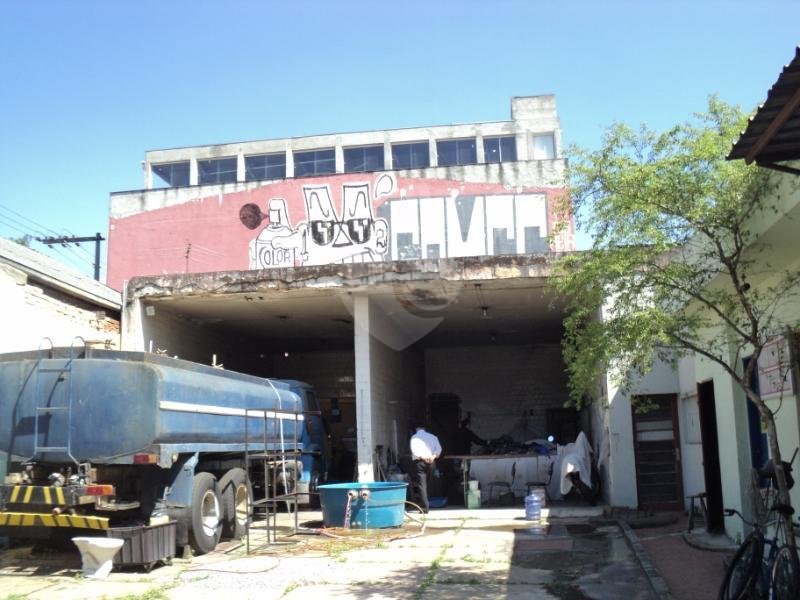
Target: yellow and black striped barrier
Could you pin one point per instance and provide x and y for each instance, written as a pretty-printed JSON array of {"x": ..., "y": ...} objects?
[
  {"x": 36, "y": 494},
  {"x": 17, "y": 519}
]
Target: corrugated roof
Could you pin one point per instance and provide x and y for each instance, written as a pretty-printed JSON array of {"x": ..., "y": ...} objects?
[
  {"x": 57, "y": 275},
  {"x": 773, "y": 133}
]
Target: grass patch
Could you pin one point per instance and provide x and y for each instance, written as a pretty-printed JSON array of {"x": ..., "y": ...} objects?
[{"x": 151, "y": 594}]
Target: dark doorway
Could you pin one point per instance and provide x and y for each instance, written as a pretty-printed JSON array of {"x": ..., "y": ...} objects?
[
  {"x": 659, "y": 479},
  {"x": 711, "y": 465}
]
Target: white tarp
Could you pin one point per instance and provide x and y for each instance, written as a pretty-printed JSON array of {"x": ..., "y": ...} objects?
[{"x": 572, "y": 458}]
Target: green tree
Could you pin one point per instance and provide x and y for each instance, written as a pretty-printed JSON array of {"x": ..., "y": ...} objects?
[{"x": 673, "y": 268}]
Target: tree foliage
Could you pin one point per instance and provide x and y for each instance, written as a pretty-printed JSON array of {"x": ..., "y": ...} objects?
[{"x": 676, "y": 264}]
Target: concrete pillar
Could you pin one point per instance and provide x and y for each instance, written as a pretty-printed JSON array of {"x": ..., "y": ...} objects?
[
  {"x": 241, "y": 172},
  {"x": 480, "y": 156},
  {"x": 522, "y": 138},
  {"x": 289, "y": 160},
  {"x": 387, "y": 152},
  {"x": 148, "y": 174},
  {"x": 193, "y": 171},
  {"x": 338, "y": 153},
  {"x": 434, "y": 155},
  {"x": 364, "y": 442},
  {"x": 131, "y": 328}
]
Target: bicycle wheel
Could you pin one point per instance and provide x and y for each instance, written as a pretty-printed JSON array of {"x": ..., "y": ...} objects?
[
  {"x": 743, "y": 570},
  {"x": 786, "y": 574}
]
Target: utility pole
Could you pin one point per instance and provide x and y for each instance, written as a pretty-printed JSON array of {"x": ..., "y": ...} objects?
[{"x": 64, "y": 240}]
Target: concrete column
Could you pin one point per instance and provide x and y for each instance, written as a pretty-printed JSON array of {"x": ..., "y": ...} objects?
[
  {"x": 131, "y": 328},
  {"x": 434, "y": 155},
  {"x": 480, "y": 156},
  {"x": 523, "y": 140},
  {"x": 193, "y": 171},
  {"x": 148, "y": 174},
  {"x": 289, "y": 160},
  {"x": 362, "y": 341},
  {"x": 338, "y": 152},
  {"x": 241, "y": 172},
  {"x": 387, "y": 153}
]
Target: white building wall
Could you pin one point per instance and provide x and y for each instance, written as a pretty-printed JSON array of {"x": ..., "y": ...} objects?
[
  {"x": 691, "y": 440},
  {"x": 32, "y": 312},
  {"x": 662, "y": 379}
]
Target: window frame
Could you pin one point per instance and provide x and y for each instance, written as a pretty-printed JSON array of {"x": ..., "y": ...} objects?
[
  {"x": 218, "y": 172},
  {"x": 315, "y": 162},
  {"x": 459, "y": 151},
  {"x": 266, "y": 167},
  {"x": 172, "y": 164},
  {"x": 410, "y": 146},
  {"x": 363, "y": 149},
  {"x": 499, "y": 139}
]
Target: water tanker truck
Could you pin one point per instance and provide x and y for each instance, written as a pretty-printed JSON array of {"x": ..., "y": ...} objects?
[{"x": 97, "y": 439}]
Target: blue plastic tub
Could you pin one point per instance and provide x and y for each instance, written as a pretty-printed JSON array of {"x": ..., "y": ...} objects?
[{"x": 383, "y": 506}]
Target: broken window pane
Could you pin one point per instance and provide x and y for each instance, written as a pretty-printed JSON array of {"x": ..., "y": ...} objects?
[
  {"x": 265, "y": 166},
  {"x": 173, "y": 174},
  {"x": 314, "y": 162},
  {"x": 364, "y": 158},
  {"x": 456, "y": 152},
  {"x": 216, "y": 170},
  {"x": 415, "y": 155}
]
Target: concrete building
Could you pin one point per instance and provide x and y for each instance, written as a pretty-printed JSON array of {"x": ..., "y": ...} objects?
[
  {"x": 730, "y": 438},
  {"x": 44, "y": 299},
  {"x": 401, "y": 272}
]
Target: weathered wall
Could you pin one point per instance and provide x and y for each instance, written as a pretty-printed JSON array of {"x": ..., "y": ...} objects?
[
  {"x": 505, "y": 387},
  {"x": 361, "y": 217},
  {"x": 32, "y": 311}
]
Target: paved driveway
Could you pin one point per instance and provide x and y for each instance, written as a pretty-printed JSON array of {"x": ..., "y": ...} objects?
[{"x": 458, "y": 554}]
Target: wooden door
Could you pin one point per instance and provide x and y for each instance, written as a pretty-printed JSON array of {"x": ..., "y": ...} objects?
[{"x": 656, "y": 442}]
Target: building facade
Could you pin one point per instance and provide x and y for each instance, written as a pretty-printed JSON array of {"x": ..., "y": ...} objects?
[
  {"x": 480, "y": 189},
  {"x": 403, "y": 273}
]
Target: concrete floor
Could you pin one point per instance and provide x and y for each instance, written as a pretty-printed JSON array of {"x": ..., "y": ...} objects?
[{"x": 488, "y": 553}]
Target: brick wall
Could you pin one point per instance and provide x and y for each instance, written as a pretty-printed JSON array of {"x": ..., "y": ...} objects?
[
  {"x": 32, "y": 311},
  {"x": 505, "y": 387}
]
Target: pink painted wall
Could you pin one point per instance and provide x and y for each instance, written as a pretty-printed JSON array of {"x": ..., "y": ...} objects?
[{"x": 325, "y": 220}]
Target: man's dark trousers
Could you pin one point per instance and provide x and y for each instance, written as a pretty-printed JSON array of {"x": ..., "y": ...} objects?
[{"x": 419, "y": 483}]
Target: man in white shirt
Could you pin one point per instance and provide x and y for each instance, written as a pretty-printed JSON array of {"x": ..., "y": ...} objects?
[{"x": 425, "y": 449}]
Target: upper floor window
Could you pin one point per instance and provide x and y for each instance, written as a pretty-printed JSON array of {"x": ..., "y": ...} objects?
[
  {"x": 314, "y": 162},
  {"x": 173, "y": 174},
  {"x": 456, "y": 152},
  {"x": 363, "y": 158},
  {"x": 216, "y": 170},
  {"x": 500, "y": 149},
  {"x": 415, "y": 155},
  {"x": 544, "y": 146},
  {"x": 265, "y": 166}
]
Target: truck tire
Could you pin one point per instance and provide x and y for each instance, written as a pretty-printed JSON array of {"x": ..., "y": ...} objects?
[
  {"x": 236, "y": 498},
  {"x": 206, "y": 514}
]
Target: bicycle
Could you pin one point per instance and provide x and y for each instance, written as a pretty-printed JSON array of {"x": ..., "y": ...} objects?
[{"x": 754, "y": 574}]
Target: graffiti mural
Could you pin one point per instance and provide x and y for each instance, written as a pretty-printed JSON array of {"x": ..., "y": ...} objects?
[
  {"x": 405, "y": 228},
  {"x": 326, "y": 236}
]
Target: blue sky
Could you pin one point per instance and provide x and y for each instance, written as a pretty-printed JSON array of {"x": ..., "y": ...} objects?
[{"x": 88, "y": 87}]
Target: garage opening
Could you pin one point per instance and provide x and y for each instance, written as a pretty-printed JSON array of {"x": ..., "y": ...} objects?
[{"x": 385, "y": 351}]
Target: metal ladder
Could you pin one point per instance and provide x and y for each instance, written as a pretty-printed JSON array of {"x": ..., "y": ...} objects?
[{"x": 45, "y": 408}]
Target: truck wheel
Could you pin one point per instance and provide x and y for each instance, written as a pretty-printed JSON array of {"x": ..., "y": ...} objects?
[
  {"x": 206, "y": 512},
  {"x": 236, "y": 498}
]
